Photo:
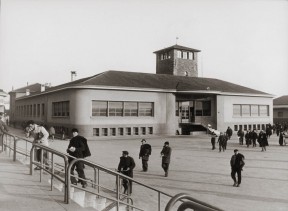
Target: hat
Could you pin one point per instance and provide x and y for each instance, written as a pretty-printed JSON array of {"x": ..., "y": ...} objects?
[
  {"x": 235, "y": 150},
  {"x": 166, "y": 143},
  {"x": 125, "y": 152},
  {"x": 143, "y": 140}
]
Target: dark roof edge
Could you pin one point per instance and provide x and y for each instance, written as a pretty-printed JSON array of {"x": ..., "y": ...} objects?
[{"x": 179, "y": 47}]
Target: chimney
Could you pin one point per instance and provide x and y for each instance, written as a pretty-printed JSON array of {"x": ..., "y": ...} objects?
[
  {"x": 27, "y": 92},
  {"x": 73, "y": 75},
  {"x": 42, "y": 87}
]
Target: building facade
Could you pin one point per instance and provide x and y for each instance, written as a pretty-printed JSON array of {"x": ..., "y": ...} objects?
[
  {"x": 280, "y": 109},
  {"x": 116, "y": 103}
]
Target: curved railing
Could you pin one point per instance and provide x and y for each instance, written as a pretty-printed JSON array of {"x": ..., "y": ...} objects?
[{"x": 189, "y": 203}]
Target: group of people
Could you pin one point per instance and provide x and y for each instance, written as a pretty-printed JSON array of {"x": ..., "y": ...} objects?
[{"x": 78, "y": 148}]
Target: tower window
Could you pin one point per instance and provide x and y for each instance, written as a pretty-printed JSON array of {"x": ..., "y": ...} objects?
[
  {"x": 179, "y": 54},
  {"x": 190, "y": 56},
  {"x": 185, "y": 55}
]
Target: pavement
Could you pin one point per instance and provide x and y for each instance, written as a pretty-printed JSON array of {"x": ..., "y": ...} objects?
[{"x": 195, "y": 169}]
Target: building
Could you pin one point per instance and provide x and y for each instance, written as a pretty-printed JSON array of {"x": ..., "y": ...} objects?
[
  {"x": 174, "y": 100},
  {"x": 3, "y": 106},
  {"x": 280, "y": 109}
]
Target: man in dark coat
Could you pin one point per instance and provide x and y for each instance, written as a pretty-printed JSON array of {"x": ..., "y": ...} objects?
[
  {"x": 76, "y": 148},
  {"x": 240, "y": 134},
  {"x": 254, "y": 137},
  {"x": 145, "y": 152},
  {"x": 237, "y": 163},
  {"x": 229, "y": 132},
  {"x": 166, "y": 154},
  {"x": 126, "y": 166}
]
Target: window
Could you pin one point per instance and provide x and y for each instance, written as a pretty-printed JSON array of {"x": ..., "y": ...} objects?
[
  {"x": 235, "y": 127},
  {"x": 113, "y": 131},
  {"x": 60, "y": 109},
  {"x": 250, "y": 127},
  {"x": 130, "y": 109},
  {"x": 254, "y": 110},
  {"x": 185, "y": 55},
  {"x": 145, "y": 109},
  {"x": 184, "y": 111},
  {"x": 120, "y": 131},
  {"x": 150, "y": 130},
  {"x": 264, "y": 110},
  {"x": 38, "y": 110},
  {"x": 190, "y": 56},
  {"x": 280, "y": 113},
  {"x": 96, "y": 132},
  {"x": 245, "y": 110},
  {"x": 179, "y": 54},
  {"x": 143, "y": 130},
  {"x": 104, "y": 132},
  {"x": 237, "y": 110},
  {"x": 128, "y": 131},
  {"x": 258, "y": 127},
  {"x": 135, "y": 131},
  {"x": 245, "y": 127},
  {"x": 43, "y": 109},
  {"x": 203, "y": 108},
  {"x": 99, "y": 108},
  {"x": 115, "y": 108}
]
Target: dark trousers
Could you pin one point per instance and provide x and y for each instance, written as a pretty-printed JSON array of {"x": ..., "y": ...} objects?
[
  {"x": 45, "y": 156},
  {"x": 127, "y": 184},
  {"x": 233, "y": 175},
  {"x": 165, "y": 166},
  {"x": 254, "y": 142},
  {"x": 80, "y": 170},
  {"x": 144, "y": 164}
]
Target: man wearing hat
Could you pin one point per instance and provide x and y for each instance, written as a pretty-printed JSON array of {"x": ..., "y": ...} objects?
[
  {"x": 237, "y": 163},
  {"x": 145, "y": 152},
  {"x": 126, "y": 166},
  {"x": 166, "y": 154}
]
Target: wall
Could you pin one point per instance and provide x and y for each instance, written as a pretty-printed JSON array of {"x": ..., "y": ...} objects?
[
  {"x": 225, "y": 116},
  {"x": 276, "y": 118}
]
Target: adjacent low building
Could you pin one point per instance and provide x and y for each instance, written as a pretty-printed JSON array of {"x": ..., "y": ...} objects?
[
  {"x": 280, "y": 109},
  {"x": 172, "y": 101}
]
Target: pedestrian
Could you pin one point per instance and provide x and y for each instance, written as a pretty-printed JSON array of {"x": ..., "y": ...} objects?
[
  {"x": 213, "y": 141},
  {"x": 248, "y": 138},
  {"x": 254, "y": 137},
  {"x": 262, "y": 140},
  {"x": 240, "y": 135},
  {"x": 76, "y": 149},
  {"x": 3, "y": 125},
  {"x": 52, "y": 132},
  {"x": 166, "y": 154},
  {"x": 63, "y": 133},
  {"x": 126, "y": 166},
  {"x": 221, "y": 141},
  {"x": 281, "y": 138},
  {"x": 237, "y": 163},
  {"x": 145, "y": 152},
  {"x": 229, "y": 132},
  {"x": 40, "y": 135}
]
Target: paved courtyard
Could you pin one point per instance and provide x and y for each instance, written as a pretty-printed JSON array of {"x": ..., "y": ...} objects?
[{"x": 202, "y": 172}]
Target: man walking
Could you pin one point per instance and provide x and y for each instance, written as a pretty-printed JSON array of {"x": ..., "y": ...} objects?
[
  {"x": 126, "y": 166},
  {"x": 166, "y": 154},
  {"x": 237, "y": 163},
  {"x": 145, "y": 152},
  {"x": 76, "y": 149}
]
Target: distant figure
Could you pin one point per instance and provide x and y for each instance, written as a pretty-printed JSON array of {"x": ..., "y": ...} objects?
[
  {"x": 40, "y": 135},
  {"x": 229, "y": 132},
  {"x": 126, "y": 166},
  {"x": 254, "y": 137},
  {"x": 76, "y": 149},
  {"x": 281, "y": 138},
  {"x": 166, "y": 154},
  {"x": 52, "y": 132},
  {"x": 62, "y": 133},
  {"x": 3, "y": 125},
  {"x": 213, "y": 141},
  {"x": 221, "y": 141},
  {"x": 237, "y": 163},
  {"x": 240, "y": 135},
  {"x": 262, "y": 140},
  {"x": 145, "y": 152}
]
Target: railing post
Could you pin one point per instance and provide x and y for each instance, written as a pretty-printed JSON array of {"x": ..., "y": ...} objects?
[
  {"x": 159, "y": 202},
  {"x": 67, "y": 181},
  {"x": 2, "y": 142},
  {"x": 117, "y": 189},
  {"x": 31, "y": 159},
  {"x": 15, "y": 148}
]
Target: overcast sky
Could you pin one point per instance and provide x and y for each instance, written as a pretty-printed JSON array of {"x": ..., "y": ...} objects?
[{"x": 241, "y": 41}]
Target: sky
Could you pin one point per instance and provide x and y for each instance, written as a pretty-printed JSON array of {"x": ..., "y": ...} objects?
[{"x": 241, "y": 41}]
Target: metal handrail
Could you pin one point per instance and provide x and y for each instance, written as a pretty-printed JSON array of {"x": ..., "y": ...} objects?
[{"x": 192, "y": 204}]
